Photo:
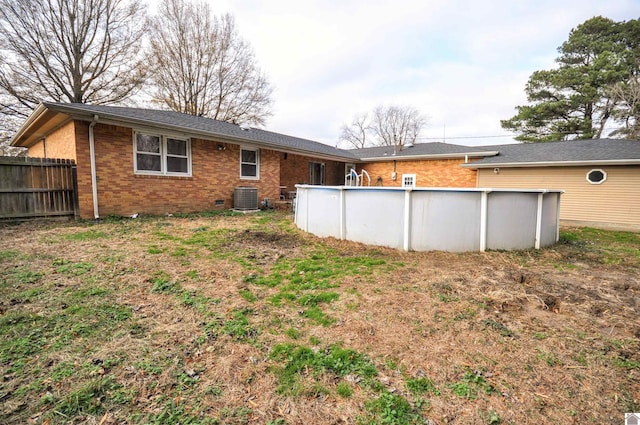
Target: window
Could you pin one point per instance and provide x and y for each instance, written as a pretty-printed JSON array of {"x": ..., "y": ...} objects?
[
  {"x": 249, "y": 164},
  {"x": 408, "y": 180},
  {"x": 156, "y": 154},
  {"x": 316, "y": 173},
  {"x": 348, "y": 167},
  {"x": 177, "y": 158},
  {"x": 596, "y": 176}
]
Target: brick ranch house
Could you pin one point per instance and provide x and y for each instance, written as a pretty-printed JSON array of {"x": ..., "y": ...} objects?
[{"x": 133, "y": 160}]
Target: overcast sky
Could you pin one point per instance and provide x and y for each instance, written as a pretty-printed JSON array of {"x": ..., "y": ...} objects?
[{"x": 464, "y": 64}]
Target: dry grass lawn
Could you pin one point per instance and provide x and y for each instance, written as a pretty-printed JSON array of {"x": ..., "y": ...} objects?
[{"x": 242, "y": 319}]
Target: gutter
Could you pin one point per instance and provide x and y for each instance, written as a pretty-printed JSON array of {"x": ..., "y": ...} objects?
[
  {"x": 94, "y": 179},
  {"x": 553, "y": 163},
  {"x": 465, "y": 155}
]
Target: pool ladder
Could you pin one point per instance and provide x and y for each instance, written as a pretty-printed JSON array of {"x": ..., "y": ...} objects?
[{"x": 355, "y": 179}]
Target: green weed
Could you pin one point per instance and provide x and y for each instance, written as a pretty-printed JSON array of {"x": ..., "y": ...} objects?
[
  {"x": 179, "y": 252},
  {"x": 471, "y": 385},
  {"x": 549, "y": 358},
  {"x": 62, "y": 370},
  {"x": 89, "y": 398},
  {"x": 292, "y": 333},
  {"x": 490, "y": 417},
  {"x": 499, "y": 327},
  {"x": 213, "y": 390},
  {"x": 391, "y": 409},
  {"x": 334, "y": 360},
  {"x": 540, "y": 335},
  {"x": 25, "y": 276},
  {"x": 315, "y": 299},
  {"x": 318, "y": 316},
  {"x": 27, "y": 296},
  {"x": 154, "y": 249},
  {"x": 6, "y": 255},
  {"x": 87, "y": 235},
  {"x": 152, "y": 368},
  {"x": 238, "y": 326},
  {"x": 344, "y": 390},
  {"x": 422, "y": 385},
  {"x": 626, "y": 363},
  {"x": 163, "y": 284},
  {"x": 177, "y": 413},
  {"x": 75, "y": 269},
  {"x": 248, "y": 295},
  {"x": 467, "y": 314},
  {"x": 238, "y": 415}
]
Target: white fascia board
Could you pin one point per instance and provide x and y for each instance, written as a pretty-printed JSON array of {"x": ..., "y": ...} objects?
[
  {"x": 430, "y": 156},
  {"x": 37, "y": 112},
  {"x": 553, "y": 163}
]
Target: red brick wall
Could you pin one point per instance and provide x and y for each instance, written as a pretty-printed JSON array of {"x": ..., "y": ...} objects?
[
  {"x": 440, "y": 173},
  {"x": 295, "y": 170},
  {"x": 215, "y": 174}
]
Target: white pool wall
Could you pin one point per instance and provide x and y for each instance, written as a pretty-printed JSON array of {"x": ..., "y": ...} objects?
[{"x": 426, "y": 219}]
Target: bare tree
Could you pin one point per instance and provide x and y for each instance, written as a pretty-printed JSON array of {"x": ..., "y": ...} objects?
[
  {"x": 389, "y": 126},
  {"x": 9, "y": 122},
  {"x": 355, "y": 134},
  {"x": 627, "y": 99},
  {"x": 397, "y": 125},
  {"x": 201, "y": 66},
  {"x": 83, "y": 51}
]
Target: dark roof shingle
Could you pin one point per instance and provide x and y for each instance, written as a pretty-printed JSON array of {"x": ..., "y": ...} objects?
[
  {"x": 572, "y": 151},
  {"x": 419, "y": 149},
  {"x": 203, "y": 126}
]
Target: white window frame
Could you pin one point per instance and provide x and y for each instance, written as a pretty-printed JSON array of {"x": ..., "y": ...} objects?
[
  {"x": 604, "y": 176},
  {"x": 409, "y": 176},
  {"x": 257, "y": 163},
  {"x": 163, "y": 155},
  {"x": 322, "y": 172}
]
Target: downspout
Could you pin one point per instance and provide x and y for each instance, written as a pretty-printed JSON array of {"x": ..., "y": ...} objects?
[{"x": 94, "y": 179}]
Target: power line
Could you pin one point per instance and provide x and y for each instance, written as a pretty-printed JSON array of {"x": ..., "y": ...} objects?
[{"x": 465, "y": 137}]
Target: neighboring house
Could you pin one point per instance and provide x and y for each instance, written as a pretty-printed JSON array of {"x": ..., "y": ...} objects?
[
  {"x": 132, "y": 160},
  {"x": 601, "y": 178},
  {"x": 424, "y": 165}
]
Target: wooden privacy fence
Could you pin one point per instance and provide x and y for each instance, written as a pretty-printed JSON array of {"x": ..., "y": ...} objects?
[{"x": 37, "y": 187}]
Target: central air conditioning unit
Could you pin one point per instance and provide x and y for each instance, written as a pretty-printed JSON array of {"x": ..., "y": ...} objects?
[{"x": 245, "y": 198}]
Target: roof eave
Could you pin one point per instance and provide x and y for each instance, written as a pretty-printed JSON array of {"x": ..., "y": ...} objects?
[
  {"x": 115, "y": 118},
  {"x": 554, "y": 163},
  {"x": 31, "y": 119}
]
